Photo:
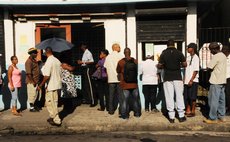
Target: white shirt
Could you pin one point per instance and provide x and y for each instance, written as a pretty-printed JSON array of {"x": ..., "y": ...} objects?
[
  {"x": 219, "y": 64},
  {"x": 149, "y": 72},
  {"x": 111, "y": 66},
  {"x": 52, "y": 68},
  {"x": 192, "y": 66},
  {"x": 228, "y": 66},
  {"x": 87, "y": 57}
]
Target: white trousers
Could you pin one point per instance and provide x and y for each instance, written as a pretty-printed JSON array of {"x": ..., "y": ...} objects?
[
  {"x": 52, "y": 105},
  {"x": 174, "y": 92},
  {"x": 32, "y": 94}
]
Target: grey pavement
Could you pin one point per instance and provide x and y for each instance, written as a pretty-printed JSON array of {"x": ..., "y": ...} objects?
[{"x": 86, "y": 119}]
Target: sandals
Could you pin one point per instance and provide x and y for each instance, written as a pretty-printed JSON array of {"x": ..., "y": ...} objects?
[
  {"x": 191, "y": 115},
  {"x": 16, "y": 113}
]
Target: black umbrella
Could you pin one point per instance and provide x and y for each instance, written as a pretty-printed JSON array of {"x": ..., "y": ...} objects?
[{"x": 57, "y": 44}]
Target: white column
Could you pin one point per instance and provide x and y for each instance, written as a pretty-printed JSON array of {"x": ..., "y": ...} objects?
[
  {"x": 131, "y": 31},
  {"x": 192, "y": 23},
  {"x": 9, "y": 37},
  {"x": 114, "y": 33},
  {"x": 8, "y": 33}
]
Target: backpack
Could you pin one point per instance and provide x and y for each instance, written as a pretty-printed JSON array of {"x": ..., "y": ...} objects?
[{"x": 130, "y": 71}]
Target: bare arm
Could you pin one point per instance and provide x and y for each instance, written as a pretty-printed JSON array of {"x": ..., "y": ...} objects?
[
  {"x": 86, "y": 63},
  {"x": 184, "y": 64},
  {"x": 192, "y": 78},
  {"x": 118, "y": 68},
  {"x": 160, "y": 66},
  {"x": 10, "y": 70},
  {"x": 68, "y": 67},
  {"x": 45, "y": 78}
]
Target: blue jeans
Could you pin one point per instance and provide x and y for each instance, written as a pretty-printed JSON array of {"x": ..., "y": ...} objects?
[
  {"x": 14, "y": 95},
  {"x": 130, "y": 97},
  {"x": 114, "y": 96},
  {"x": 216, "y": 101}
]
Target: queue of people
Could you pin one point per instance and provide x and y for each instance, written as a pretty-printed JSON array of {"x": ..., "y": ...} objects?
[{"x": 116, "y": 79}]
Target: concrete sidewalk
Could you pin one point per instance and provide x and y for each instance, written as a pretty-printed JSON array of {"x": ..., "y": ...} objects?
[{"x": 86, "y": 119}]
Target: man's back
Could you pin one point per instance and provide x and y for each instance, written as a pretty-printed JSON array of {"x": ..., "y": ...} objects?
[
  {"x": 149, "y": 72},
  {"x": 219, "y": 65},
  {"x": 171, "y": 59},
  {"x": 52, "y": 68},
  {"x": 120, "y": 70},
  {"x": 111, "y": 65}
]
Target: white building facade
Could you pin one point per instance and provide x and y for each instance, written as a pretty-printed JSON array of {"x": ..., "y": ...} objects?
[{"x": 142, "y": 25}]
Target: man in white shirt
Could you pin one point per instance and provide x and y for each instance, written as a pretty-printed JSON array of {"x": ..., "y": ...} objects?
[
  {"x": 87, "y": 89},
  {"x": 148, "y": 70},
  {"x": 114, "y": 88},
  {"x": 226, "y": 51},
  {"x": 216, "y": 94},
  {"x": 52, "y": 73}
]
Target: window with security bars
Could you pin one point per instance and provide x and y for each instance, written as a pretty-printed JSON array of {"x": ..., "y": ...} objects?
[{"x": 218, "y": 34}]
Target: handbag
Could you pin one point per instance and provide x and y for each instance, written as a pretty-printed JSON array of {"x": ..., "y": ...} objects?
[{"x": 97, "y": 74}]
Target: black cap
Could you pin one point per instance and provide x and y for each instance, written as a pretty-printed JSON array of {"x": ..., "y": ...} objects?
[{"x": 192, "y": 45}]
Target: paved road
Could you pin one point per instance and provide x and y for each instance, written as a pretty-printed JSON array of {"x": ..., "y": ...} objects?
[{"x": 124, "y": 137}]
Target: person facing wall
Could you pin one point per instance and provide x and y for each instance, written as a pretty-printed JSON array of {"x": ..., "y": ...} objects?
[
  {"x": 127, "y": 71},
  {"x": 171, "y": 60}
]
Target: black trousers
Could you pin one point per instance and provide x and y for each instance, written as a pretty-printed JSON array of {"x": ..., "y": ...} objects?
[
  {"x": 150, "y": 92},
  {"x": 190, "y": 93},
  {"x": 87, "y": 87},
  {"x": 103, "y": 93}
]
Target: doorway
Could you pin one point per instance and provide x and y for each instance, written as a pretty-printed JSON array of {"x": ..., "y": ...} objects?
[
  {"x": 46, "y": 31},
  {"x": 91, "y": 33}
]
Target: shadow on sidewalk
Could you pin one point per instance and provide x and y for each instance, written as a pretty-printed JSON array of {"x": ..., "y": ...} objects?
[
  {"x": 203, "y": 104},
  {"x": 69, "y": 106}
]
